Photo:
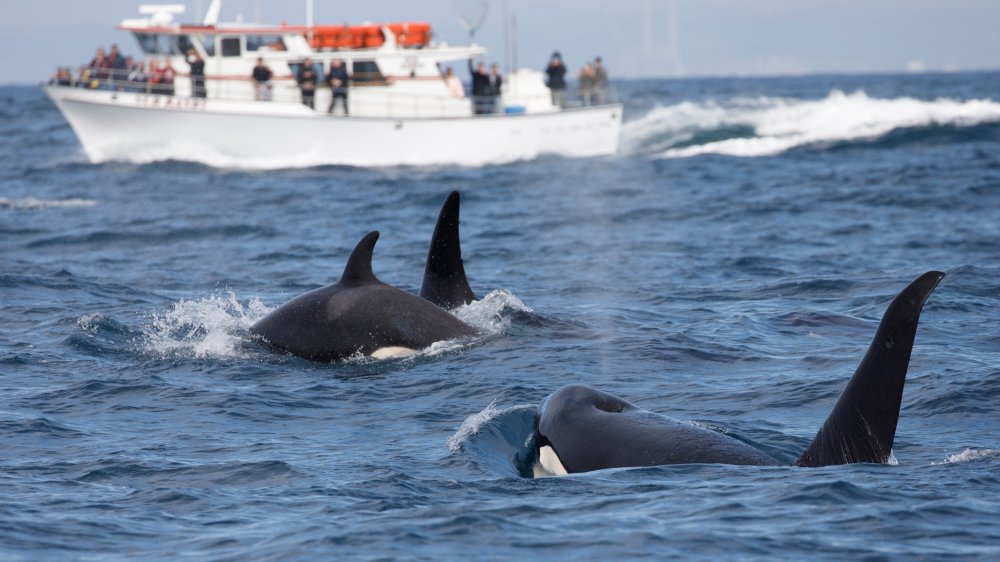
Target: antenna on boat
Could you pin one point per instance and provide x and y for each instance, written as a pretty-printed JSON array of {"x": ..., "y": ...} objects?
[
  {"x": 309, "y": 19},
  {"x": 506, "y": 38},
  {"x": 471, "y": 14},
  {"x": 213, "y": 13}
]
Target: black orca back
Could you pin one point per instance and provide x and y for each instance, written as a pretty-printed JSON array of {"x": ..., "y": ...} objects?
[
  {"x": 357, "y": 315},
  {"x": 591, "y": 430}
]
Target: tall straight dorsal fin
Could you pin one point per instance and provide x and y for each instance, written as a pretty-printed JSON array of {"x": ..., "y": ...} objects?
[
  {"x": 862, "y": 425},
  {"x": 359, "y": 265},
  {"x": 444, "y": 275}
]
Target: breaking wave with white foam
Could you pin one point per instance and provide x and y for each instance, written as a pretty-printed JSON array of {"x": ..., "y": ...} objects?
[
  {"x": 766, "y": 126},
  {"x": 969, "y": 455},
  {"x": 472, "y": 425},
  {"x": 32, "y": 203}
]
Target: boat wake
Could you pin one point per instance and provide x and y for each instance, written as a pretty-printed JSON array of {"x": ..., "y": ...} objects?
[{"x": 766, "y": 126}]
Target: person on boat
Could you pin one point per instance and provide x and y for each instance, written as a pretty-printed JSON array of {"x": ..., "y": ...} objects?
[
  {"x": 338, "y": 80},
  {"x": 600, "y": 80},
  {"x": 480, "y": 88},
  {"x": 262, "y": 81},
  {"x": 306, "y": 78},
  {"x": 62, "y": 77},
  {"x": 586, "y": 81},
  {"x": 197, "y": 66},
  {"x": 556, "y": 73},
  {"x": 137, "y": 77},
  {"x": 167, "y": 75},
  {"x": 116, "y": 64},
  {"x": 154, "y": 76},
  {"x": 100, "y": 66},
  {"x": 493, "y": 86},
  {"x": 455, "y": 87}
]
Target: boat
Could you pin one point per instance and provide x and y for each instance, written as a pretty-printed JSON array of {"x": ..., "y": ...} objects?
[{"x": 402, "y": 111}]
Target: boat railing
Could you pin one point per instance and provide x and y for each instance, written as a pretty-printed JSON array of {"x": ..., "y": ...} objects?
[{"x": 365, "y": 99}]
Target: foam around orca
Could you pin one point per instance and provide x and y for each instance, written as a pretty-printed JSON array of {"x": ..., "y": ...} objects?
[{"x": 582, "y": 429}]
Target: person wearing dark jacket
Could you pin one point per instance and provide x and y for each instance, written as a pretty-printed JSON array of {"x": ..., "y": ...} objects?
[
  {"x": 197, "y": 66},
  {"x": 556, "y": 73},
  {"x": 480, "y": 88},
  {"x": 339, "y": 81},
  {"x": 493, "y": 86},
  {"x": 306, "y": 78},
  {"x": 262, "y": 80}
]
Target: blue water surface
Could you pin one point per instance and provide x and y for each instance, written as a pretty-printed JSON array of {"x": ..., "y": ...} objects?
[{"x": 728, "y": 267}]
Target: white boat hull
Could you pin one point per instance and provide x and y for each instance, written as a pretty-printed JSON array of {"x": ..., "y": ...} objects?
[{"x": 120, "y": 126}]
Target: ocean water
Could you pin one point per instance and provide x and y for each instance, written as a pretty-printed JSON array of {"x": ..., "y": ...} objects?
[{"x": 728, "y": 267}]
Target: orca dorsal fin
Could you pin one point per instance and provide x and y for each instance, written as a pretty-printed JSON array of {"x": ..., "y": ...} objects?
[
  {"x": 359, "y": 265},
  {"x": 444, "y": 275},
  {"x": 862, "y": 425}
]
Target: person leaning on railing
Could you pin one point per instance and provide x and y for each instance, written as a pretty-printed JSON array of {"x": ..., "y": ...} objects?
[
  {"x": 62, "y": 77},
  {"x": 339, "y": 81},
  {"x": 197, "y": 72},
  {"x": 307, "y": 77},
  {"x": 600, "y": 81},
  {"x": 586, "y": 80},
  {"x": 100, "y": 67},
  {"x": 138, "y": 81},
  {"x": 262, "y": 81}
]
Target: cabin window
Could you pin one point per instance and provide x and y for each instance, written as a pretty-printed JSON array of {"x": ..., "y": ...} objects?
[
  {"x": 266, "y": 42},
  {"x": 181, "y": 44},
  {"x": 154, "y": 44},
  {"x": 366, "y": 72},
  {"x": 207, "y": 43},
  {"x": 230, "y": 46}
]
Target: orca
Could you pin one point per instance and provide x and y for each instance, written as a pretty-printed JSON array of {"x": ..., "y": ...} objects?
[
  {"x": 358, "y": 315},
  {"x": 580, "y": 429},
  {"x": 444, "y": 281}
]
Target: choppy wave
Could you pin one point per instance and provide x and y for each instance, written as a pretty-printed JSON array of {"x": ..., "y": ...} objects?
[
  {"x": 31, "y": 203},
  {"x": 766, "y": 126}
]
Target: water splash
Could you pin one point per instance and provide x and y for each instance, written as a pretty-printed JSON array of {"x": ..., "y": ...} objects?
[
  {"x": 215, "y": 326},
  {"x": 492, "y": 314},
  {"x": 969, "y": 455},
  {"x": 766, "y": 126},
  {"x": 89, "y": 323}
]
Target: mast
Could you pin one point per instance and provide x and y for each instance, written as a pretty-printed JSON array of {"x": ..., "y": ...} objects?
[{"x": 309, "y": 20}]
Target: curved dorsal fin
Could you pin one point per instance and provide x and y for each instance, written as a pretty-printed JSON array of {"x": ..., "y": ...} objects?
[
  {"x": 862, "y": 425},
  {"x": 444, "y": 275},
  {"x": 359, "y": 265}
]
